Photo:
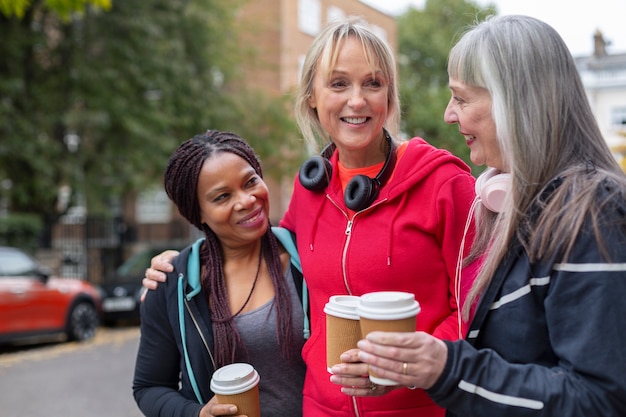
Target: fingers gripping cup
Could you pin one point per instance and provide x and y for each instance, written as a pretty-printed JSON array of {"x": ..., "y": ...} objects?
[
  {"x": 342, "y": 327},
  {"x": 387, "y": 311},
  {"x": 238, "y": 384}
]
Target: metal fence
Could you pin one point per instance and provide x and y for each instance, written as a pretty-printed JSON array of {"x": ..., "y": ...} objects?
[{"x": 91, "y": 248}]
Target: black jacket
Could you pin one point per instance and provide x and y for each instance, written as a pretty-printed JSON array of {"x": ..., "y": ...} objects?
[{"x": 548, "y": 339}]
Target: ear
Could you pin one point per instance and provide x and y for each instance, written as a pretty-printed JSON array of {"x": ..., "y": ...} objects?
[{"x": 311, "y": 101}]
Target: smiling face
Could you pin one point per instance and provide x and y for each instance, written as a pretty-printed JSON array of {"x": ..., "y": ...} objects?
[
  {"x": 352, "y": 103},
  {"x": 233, "y": 199},
  {"x": 470, "y": 108}
]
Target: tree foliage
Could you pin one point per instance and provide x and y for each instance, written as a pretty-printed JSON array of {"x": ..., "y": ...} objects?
[
  {"x": 63, "y": 8},
  {"x": 425, "y": 38},
  {"x": 98, "y": 101}
]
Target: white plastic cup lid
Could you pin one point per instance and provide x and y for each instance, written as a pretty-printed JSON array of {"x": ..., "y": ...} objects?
[
  {"x": 388, "y": 305},
  {"x": 234, "y": 379},
  {"x": 343, "y": 306}
]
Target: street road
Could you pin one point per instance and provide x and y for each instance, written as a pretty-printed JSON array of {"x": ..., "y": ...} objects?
[{"x": 90, "y": 379}]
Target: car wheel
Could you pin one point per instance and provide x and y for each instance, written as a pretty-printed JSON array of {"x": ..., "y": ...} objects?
[{"x": 82, "y": 321}]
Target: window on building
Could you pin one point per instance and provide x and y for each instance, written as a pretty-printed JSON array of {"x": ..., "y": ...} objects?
[
  {"x": 382, "y": 33},
  {"x": 618, "y": 117},
  {"x": 153, "y": 206},
  {"x": 334, "y": 13},
  {"x": 309, "y": 16}
]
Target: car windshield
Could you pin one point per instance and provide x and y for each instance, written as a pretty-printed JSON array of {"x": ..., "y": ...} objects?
[
  {"x": 134, "y": 267},
  {"x": 14, "y": 262}
]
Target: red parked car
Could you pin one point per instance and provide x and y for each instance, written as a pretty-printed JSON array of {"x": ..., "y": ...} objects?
[{"x": 35, "y": 303}]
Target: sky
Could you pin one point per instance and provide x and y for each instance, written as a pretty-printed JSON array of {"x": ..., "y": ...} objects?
[{"x": 576, "y": 21}]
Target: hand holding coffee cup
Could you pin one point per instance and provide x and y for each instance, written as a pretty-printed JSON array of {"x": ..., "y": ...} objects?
[
  {"x": 238, "y": 384},
  {"x": 387, "y": 311}
]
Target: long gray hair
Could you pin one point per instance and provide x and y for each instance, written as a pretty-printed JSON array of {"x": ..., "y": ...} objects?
[{"x": 545, "y": 129}]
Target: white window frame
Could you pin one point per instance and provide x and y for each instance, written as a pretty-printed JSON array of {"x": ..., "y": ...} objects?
[{"x": 309, "y": 16}]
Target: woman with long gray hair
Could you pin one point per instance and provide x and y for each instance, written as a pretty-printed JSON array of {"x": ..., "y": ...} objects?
[{"x": 548, "y": 335}]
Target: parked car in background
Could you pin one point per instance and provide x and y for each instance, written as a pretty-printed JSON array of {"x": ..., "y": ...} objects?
[
  {"x": 34, "y": 303},
  {"x": 121, "y": 293}
]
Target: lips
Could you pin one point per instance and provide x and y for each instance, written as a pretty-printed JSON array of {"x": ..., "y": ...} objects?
[
  {"x": 354, "y": 120},
  {"x": 253, "y": 218},
  {"x": 469, "y": 139}
]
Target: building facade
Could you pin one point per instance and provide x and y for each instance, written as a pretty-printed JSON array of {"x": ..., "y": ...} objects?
[
  {"x": 278, "y": 34},
  {"x": 604, "y": 78}
]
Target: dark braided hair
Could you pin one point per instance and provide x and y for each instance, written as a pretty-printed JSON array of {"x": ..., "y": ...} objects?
[{"x": 181, "y": 185}]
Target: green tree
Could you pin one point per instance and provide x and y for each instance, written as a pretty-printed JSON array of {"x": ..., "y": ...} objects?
[
  {"x": 63, "y": 8},
  {"x": 146, "y": 76},
  {"x": 98, "y": 102},
  {"x": 268, "y": 125},
  {"x": 425, "y": 38}
]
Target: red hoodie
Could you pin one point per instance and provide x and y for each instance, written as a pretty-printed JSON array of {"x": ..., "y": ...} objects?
[{"x": 407, "y": 240}]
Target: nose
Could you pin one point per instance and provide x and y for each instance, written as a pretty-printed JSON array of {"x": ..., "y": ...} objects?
[
  {"x": 245, "y": 201},
  {"x": 357, "y": 98},
  {"x": 449, "y": 115}
]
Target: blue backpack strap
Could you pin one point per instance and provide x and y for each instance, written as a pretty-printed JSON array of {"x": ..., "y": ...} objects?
[
  {"x": 287, "y": 239},
  {"x": 183, "y": 336},
  {"x": 193, "y": 269},
  {"x": 193, "y": 280}
]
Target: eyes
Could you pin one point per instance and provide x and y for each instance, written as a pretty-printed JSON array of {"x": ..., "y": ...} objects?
[
  {"x": 341, "y": 83},
  {"x": 223, "y": 197},
  {"x": 458, "y": 100}
]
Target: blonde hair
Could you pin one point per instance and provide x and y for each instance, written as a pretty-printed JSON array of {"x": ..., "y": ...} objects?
[{"x": 322, "y": 57}]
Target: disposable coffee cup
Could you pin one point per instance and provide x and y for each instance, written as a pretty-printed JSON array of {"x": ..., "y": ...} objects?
[
  {"x": 342, "y": 327},
  {"x": 238, "y": 384},
  {"x": 387, "y": 311}
]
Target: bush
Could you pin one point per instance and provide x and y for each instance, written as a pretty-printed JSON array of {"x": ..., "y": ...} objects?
[{"x": 21, "y": 230}]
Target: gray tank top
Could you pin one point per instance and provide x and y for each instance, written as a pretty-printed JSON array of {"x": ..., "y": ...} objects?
[{"x": 282, "y": 380}]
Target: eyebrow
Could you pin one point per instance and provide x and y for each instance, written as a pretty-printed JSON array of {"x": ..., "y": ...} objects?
[{"x": 378, "y": 76}]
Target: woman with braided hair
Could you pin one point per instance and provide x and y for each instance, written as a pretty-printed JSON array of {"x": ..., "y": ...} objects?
[{"x": 238, "y": 303}]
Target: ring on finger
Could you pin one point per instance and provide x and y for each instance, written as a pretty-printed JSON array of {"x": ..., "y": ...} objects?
[{"x": 404, "y": 368}]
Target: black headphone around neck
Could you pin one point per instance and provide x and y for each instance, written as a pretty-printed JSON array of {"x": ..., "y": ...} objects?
[{"x": 361, "y": 191}]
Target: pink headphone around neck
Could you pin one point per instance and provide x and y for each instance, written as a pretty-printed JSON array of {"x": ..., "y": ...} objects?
[{"x": 492, "y": 187}]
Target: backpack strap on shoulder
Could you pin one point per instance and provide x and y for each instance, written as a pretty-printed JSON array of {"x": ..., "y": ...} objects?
[{"x": 288, "y": 239}]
